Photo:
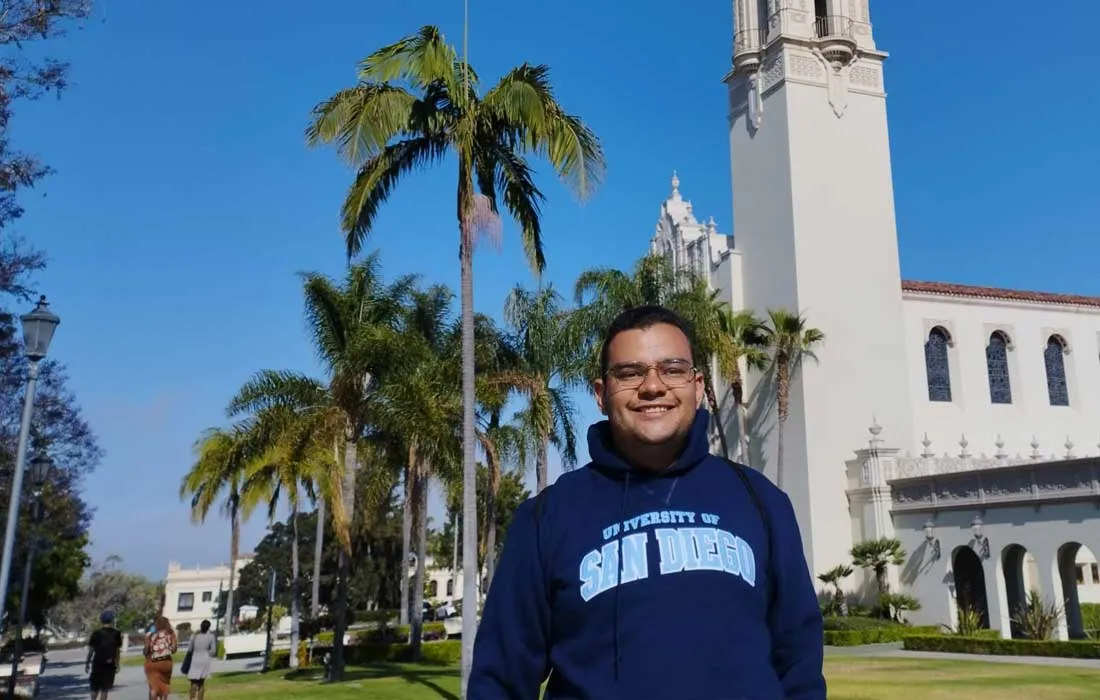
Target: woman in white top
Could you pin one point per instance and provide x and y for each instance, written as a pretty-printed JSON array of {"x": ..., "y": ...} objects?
[{"x": 204, "y": 647}]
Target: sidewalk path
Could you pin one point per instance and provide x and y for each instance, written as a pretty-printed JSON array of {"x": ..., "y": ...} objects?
[{"x": 65, "y": 678}]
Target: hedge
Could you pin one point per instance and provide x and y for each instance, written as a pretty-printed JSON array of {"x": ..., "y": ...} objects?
[
  {"x": 956, "y": 644},
  {"x": 880, "y": 635},
  {"x": 443, "y": 653}
]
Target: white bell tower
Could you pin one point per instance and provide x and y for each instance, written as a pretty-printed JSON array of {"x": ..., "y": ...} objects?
[{"x": 814, "y": 221}]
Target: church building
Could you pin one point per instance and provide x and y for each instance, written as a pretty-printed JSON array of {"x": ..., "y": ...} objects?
[{"x": 962, "y": 420}]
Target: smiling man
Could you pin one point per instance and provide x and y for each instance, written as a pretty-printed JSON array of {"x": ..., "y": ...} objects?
[{"x": 658, "y": 570}]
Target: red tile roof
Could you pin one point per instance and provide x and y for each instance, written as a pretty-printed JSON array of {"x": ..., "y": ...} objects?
[{"x": 965, "y": 290}]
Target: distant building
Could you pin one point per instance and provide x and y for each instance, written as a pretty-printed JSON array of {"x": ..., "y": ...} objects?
[{"x": 191, "y": 595}]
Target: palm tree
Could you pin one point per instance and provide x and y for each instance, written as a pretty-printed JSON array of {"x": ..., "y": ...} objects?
[
  {"x": 741, "y": 340},
  {"x": 546, "y": 370},
  {"x": 218, "y": 472},
  {"x": 835, "y": 577},
  {"x": 790, "y": 341},
  {"x": 292, "y": 460},
  {"x": 414, "y": 104},
  {"x": 421, "y": 411},
  {"x": 877, "y": 556},
  {"x": 499, "y": 376},
  {"x": 350, "y": 323}
]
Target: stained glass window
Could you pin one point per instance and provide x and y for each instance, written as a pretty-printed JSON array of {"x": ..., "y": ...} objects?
[
  {"x": 1054, "y": 357},
  {"x": 936, "y": 365},
  {"x": 996, "y": 362}
]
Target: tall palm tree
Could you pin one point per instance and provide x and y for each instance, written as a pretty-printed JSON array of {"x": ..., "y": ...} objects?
[
  {"x": 414, "y": 104},
  {"x": 789, "y": 340},
  {"x": 349, "y": 322},
  {"x": 547, "y": 368},
  {"x": 221, "y": 460}
]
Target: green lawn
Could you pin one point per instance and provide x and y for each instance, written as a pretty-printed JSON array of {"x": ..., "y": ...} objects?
[{"x": 850, "y": 678}]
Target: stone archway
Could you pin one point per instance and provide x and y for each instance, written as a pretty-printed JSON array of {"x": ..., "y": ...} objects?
[
  {"x": 969, "y": 579},
  {"x": 1020, "y": 577},
  {"x": 1071, "y": 575}
]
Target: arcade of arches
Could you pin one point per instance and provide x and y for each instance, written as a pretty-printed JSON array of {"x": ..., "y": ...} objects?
[{"x": 1007, "y": 577}]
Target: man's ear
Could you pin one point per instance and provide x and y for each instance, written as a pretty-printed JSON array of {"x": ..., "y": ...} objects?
[
  {"x": 598, "y": 388},
  {"x": 700, "y": 391}
]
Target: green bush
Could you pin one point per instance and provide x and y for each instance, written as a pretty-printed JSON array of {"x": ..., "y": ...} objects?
[
  {"x": 956, "y": 644},
  {"x": 1090, "y": 619},
  {"x": 851, "y": 622},
  {"x": 881, "y": 635},
  {"x": 440, "y": 652}
]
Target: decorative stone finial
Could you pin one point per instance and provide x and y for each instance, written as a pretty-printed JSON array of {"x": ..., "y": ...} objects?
[
  {"x": 963, "y": 443},
  {"x": 675, "y": 185},
  {"x": 927, "y": 453},
  {"x": 1000, "y": 454},
  {"x": 1069, "y": 448},
  {"x": 1035, "y": 448},
  {"x": 875, "y": 428}
]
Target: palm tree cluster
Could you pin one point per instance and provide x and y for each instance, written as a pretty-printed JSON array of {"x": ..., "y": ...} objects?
[{"x": 408, "y": 387}]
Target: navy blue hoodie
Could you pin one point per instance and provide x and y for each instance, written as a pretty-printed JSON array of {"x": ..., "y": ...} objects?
[{"x": 628, "y": 584}]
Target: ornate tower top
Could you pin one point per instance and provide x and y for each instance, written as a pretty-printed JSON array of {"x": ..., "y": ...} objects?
[{"x": 838, "y": 29}]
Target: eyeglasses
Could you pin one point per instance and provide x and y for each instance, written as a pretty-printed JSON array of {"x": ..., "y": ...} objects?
[{"x": 673, "y": 373}]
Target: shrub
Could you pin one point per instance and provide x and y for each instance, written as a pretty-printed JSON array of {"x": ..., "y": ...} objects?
[
  {"x": 1090, "y": 619},
  {"x": 851, "y": 623},
  {"x": 880, "y": 635},
  {"x": 1037, "y": 619},
  {"x": 1003, "y": 647}
]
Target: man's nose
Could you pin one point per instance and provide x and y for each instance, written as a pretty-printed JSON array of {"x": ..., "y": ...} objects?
[{"x": 652, "y": 384}]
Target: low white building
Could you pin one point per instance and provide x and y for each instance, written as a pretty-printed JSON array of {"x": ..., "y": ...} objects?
[{"x": 191, "y": 594}]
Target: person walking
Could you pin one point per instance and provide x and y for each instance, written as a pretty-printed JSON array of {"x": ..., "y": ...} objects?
[
  {"x": 159, "y": 647},
  {"x": 104, "y": 656},
  {"x": 658, "y": 570},
  {"x": 203, "y": 649}
]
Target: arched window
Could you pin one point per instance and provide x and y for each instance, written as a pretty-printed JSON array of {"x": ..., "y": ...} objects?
[
  {"x": 1055, "y": 359},
  {"x": 937, "y": 366},
  {"x": 433, "y": 588},
  {"x": 450, "y": 587},
  {"x": 996, "y": 363}
]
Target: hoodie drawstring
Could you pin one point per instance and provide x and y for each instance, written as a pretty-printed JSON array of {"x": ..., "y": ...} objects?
[{"x": 618, "y": 574}]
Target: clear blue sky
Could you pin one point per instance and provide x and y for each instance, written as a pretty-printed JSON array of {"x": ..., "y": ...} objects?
[{"x": 185, "y": 201}]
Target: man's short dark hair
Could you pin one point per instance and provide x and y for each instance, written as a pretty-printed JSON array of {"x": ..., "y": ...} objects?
[{"x": 640, "y": 318}]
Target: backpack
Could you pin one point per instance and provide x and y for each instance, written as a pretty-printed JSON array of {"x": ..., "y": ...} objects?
[{"x": 740, "y": 470}]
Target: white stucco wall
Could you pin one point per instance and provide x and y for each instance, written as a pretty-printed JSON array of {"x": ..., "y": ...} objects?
[{"x": 1030, "y": 415}]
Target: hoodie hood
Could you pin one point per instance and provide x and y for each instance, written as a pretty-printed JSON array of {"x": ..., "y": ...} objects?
[{"x": 604, "y": 454}]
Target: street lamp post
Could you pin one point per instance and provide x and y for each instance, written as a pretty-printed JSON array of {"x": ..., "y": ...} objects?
[
  {"x": 38, "y": 328},
  {"x": 40, "y": 468}
]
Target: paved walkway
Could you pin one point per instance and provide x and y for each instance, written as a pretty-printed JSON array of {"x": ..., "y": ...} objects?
[
  {"x": 65, "y": 678},
  {"x": 896, "y": 652}
]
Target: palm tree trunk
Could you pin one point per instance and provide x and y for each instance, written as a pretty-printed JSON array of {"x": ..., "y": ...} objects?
[
  {"x": 542, "y": 466},
  {"x": 420, "y": 527},
  {"x": 295, "y": 581},
  {"x": 491, "y": 520},
  {"x": 712, "y": 400},
  {"x": 406, "y": 540},
  {"x": 737, "y": 390},
  {"x": 469, "y": 465},
  {"x": 783, "y": 397},
  {"x": 318, "y": 549},
  {"x": 347, "y": 498},
  {"x": 234, "y": 551}
]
